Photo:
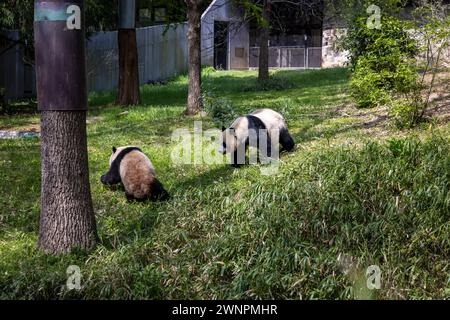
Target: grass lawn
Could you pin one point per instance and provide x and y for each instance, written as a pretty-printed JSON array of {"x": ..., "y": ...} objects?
[{"x": 355, "y": 192}]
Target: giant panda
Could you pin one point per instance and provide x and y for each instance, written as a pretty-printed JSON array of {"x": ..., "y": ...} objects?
[
  {"x": 237, "y": 135},
  {"x": 131, "y": 167}
]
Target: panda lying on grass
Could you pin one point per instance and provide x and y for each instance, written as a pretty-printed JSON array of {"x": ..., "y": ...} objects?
[
  {"x": 237, "y": 136},
  {"x": 131, "y": 167}
]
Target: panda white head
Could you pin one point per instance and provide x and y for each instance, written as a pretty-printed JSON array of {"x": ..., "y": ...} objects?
[
  {"x": 116, "y": 152},
  {"x": 112, "y": 176},
  {"x": 229, "y": 141}
]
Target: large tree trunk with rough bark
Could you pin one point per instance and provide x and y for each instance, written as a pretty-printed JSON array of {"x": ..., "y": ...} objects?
[
  {"x": 128, "y": 90},
  {"x": 263, "y": 70},
  {"x": 67, "y": 218},
  {"x": 195, "y": 102}
]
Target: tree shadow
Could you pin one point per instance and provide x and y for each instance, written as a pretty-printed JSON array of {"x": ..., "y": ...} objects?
[
  {"x": 206, "y": 178},
  {"x": 283, "y": 80}
]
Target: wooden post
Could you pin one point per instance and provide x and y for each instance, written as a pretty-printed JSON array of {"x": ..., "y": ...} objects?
[{"x": 67, "y": 217}]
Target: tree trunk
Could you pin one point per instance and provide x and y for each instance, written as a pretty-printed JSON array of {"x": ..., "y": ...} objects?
[
  {"x": 263, "y": 69},
  {"x": 195, "y": 102},
  {"x": 128, "y": 91},
  {"x": 67, "y": 218}
]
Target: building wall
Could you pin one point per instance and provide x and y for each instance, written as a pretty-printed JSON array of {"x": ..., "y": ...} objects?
[
  {"x": 239, "y": 46},
  {"x": 238, "y": 35},
  {"x": 333, "y": 29},
  {"x": 331, "y": 55}
]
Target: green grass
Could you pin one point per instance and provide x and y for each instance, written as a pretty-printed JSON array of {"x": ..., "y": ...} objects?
[{"x": 354, "y": 193}]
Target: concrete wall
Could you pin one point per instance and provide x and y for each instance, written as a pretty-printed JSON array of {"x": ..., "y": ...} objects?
[
  {"x": 333, "y": 28},
  {"x": 162, "y": 54},
  {"x": 331, "y": 55},
  {"x": 238, "y": 35},
  {"x": 239, "y": 46}
]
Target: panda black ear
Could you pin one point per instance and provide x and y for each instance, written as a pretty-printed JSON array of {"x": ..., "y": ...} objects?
[
  {"x": 223, "y": 128},
  {"x": 114, "y": 149}
]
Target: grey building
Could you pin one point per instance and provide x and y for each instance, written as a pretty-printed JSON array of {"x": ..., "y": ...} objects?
[{"x": 230, "y": 42}]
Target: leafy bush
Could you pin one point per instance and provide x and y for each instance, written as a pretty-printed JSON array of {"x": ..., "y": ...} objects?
[
  {"x": 392, "y": 67},
  {"x": 390, "y": 38},
  {"x": 367, "y": 86},
  {"x": 221, "y": 110},
  {"x": 382, "y": 61},
  {"x": 404, "y": 111}
]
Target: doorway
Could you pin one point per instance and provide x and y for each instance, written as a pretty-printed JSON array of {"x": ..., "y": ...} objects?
[{"x": 221, "y": 45}]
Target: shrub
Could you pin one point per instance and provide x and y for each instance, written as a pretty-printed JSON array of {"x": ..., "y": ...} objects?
[
  {"x": 382, "y": 61},
  {"x": 366, "y": 86},
  {"x": 221, "y": 110},
  {"x": 404, "y": 111},
  {"x": 392, "y": 37},
  {"x": 386, "y": 62}
]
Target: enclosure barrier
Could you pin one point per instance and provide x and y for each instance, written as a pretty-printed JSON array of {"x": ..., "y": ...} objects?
[
  {"x": 162, "y": 54},
  {"x": 289, "y": 57}
]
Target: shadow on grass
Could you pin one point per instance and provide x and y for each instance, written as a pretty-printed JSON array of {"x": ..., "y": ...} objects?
[
  {"x": 206, "y": 178},
  {"x": 282, "y": 79},
  {"x": 158, "y": 95}
]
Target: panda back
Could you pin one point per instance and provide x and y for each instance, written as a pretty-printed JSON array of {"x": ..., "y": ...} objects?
[
  {"x": 272, "y": 119},
  {"x": 136, "y": 164},
  {"x": 137, "y": 174}
]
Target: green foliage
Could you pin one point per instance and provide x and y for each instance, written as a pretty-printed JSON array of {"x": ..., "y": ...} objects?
[
  {"x": 386, "y": 62},
  {"x": 18, "y": 15},
  {"x": 252, "y": 10},
  {"x": 367, "y": 86},
  {"x": 101, "y": 15},
  {"x": 392, "y": 37},
  {"x": 234, "y": 233},
  {"x": 220, "y": 110},
  {"x": 376, "y": 78},
  {"x": 404, "y": 111},
  {"x": 383, "y": 61}
]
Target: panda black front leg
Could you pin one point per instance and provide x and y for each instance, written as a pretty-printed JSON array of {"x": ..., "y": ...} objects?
[{"x": 235, "y": 163}]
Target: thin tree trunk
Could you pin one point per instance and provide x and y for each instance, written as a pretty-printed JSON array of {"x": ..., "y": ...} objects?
[
  {"x": 128, "y": 91},
  {"x": 195, "y": 102},
  {"x": 263, "y": 70},
  {"x": 67, "y": 217}
]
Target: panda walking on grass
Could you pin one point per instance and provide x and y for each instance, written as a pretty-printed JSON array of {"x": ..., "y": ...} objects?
[
  {"x": 131, "y": 167},
  {"x": 266, "y": 121}
]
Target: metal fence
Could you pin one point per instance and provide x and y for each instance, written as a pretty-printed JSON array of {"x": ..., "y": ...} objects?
[
  {"x": 289, "y": 57},
  {"x": 162, "y": 54}
]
